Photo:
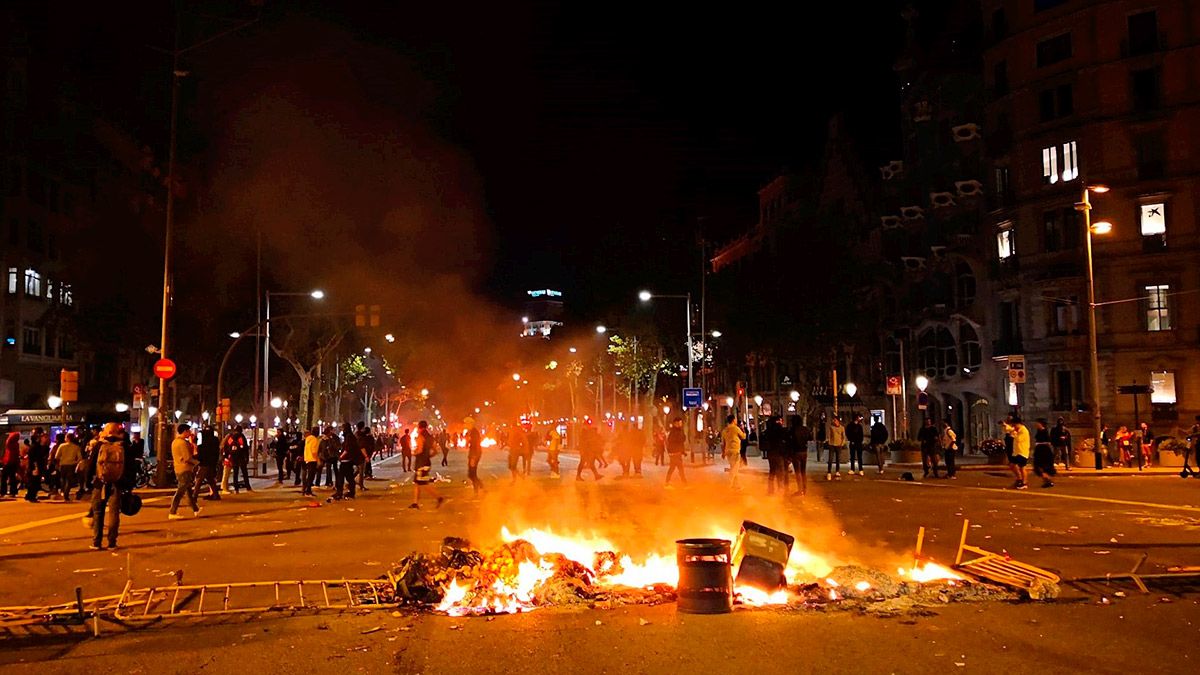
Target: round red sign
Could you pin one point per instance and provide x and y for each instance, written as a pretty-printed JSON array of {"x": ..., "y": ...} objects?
[{"x": 164, "y": 369}]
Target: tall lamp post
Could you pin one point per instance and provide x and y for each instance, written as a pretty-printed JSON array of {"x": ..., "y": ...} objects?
[
  {"x": 266, "y": 353},
  {"x": 1101, "y": 227},
  {"x": 647, "y": 296}
]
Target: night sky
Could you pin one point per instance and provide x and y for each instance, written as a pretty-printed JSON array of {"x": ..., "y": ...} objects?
[{"x": 573, "y": 146}]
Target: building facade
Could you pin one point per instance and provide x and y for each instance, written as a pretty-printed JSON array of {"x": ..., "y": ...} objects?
[{"x": 1096, "y": 93}]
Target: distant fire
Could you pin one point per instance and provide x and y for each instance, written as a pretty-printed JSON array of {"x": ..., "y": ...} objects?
[{"x": 487, "y": 442}]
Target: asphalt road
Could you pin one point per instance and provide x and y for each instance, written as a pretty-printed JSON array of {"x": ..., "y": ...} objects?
[{"x": 1085, "y": 526}]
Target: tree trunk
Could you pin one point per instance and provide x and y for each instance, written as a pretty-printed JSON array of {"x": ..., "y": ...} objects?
[{"x": 303, "y": 416}]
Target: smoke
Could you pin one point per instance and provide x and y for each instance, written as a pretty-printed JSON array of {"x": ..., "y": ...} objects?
[{"x": 324, "y": 144}]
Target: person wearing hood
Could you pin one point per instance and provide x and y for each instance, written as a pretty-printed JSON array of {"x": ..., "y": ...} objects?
[{"x": 10, "y": 465}]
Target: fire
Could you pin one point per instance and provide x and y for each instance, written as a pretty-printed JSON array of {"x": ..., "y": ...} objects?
[
  {"x": 759, "y": 598},
  {"x": 487, "y": 442},
  {"x": 929, "y": 571}
]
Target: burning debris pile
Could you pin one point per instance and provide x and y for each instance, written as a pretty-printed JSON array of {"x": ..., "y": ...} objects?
[{"x": 537, "y": 568}]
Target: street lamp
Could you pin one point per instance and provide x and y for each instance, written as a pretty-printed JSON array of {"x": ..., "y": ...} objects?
[
  {"x": 729, "y": 402},
  {"x": 1101, "y": 227},
  {"x": 758, "y": 399},
  {"x": 122, "y": 407},
  {"x": 602, "y": 329},
  {"x": 922, "y": 382},
  {"x": 235, "y": 335},
  {"x": 389, "y": 337},
  {"x": 516, "y": 377},
  {"x": 851, "y": 389},
  {"x": 277, "y": 403},
  {"x": 238, "y": 418},
  {"x": 795, "y": 396},
  {"x": 424, "y": 392},
  {"x": 204, "y": 416},
  {"x": 266, "y": 355},
  {"x": 53, "y": 401}
]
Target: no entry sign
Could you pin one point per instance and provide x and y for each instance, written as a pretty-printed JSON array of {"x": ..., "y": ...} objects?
[{"x": 164, "y": 369}]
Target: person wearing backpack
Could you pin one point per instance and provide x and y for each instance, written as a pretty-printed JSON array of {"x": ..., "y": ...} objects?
[{"x": 109, "y": 463}]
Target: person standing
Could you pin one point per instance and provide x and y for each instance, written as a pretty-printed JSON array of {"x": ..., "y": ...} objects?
[
  {"x": 1060, "y": 440},
  {"x": 928, "y": 437},
  {"x": 444, "y": 441},
  {"x": 68, "y": 455},
  {"x": 1015, "y": 430},
  {"x": 732, "y": 438},
  {"x": 553, "y": 447},
  {"x": 10, "y": 465},
  {"x": 347, "y": 461},
  {"x": 836, "y": 439},
  {"x": 423, "y": 466},
  {"x": 676, "y": 445},
  {"x": 635, "y": 446},
  {"x": 109, "y": 469},
  {"x": 948, "y": 441},
  {"x": 775, "y": 444},
  {"x": 237, "y": 451},
  {"x": 183, "y": 455},
  {"x": 406, "y": 451},
  {"x": 366, "y": 448},
  {"x": 278, "y": 446},
  {"x": 38, "y": 461},
  {"x": 516, "y": 452},
  {"x": 879, "y": 437},
  {"x": 1043, "y": 454},
  {"x": 312, "y": 461},
  {"x": 1146, "y": 445},
  {"x": 1193, "y": 444},
  {"x": 328, "y": 456},
  {"x": 475, "y": 454},
  {"x": 854, "y": 435},
  {"x": 799, "y": 438}
]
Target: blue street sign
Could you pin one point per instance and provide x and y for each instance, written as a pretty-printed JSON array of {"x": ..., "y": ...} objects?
[{"x": 692, "y": 397}]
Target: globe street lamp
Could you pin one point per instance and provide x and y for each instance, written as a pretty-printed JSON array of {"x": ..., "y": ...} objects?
[{"x": 122, "y": 407}]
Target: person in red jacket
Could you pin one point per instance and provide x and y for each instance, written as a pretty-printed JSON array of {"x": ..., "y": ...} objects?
[{"x": 10, "y": 465}]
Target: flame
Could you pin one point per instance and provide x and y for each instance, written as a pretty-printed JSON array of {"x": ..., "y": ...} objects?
[
  {"x": 756, "y": 597},
  {"x": 862, "y": 586},
  {"x": 929, "y": 571},
  {"x": 487, "y": 442}
]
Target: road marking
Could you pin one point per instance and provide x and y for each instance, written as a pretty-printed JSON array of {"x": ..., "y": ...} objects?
[
  {"x": 62, "y": 519},
  {"x": 1031, "y": 493}
]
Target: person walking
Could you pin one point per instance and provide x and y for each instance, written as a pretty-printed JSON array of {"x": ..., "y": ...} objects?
[
  {"x": 589, "y": 448},
  {"x": 366, "y": 447},
  {"x": 109, "y": 468},
  {"x": 1018, "y": 457},
  {"x": 67, "y": 457},
  {"x": 475, "y": 454},
  {"x": 1193, "y": 444},
  {"x": 948, "y": 441},
  {"x": 423, "y": 466},
  {"x": 208, "y": 457},
  {"x": 836, "y": 440},
  {"x": 676, "y": 444},
  {"x": 312, "y": 459},
  {"x": 347, "y": 461},
  {"x": 1043, "y": 454},
  {"x": 732, "y": 438},
  {"x": 278, "y": 447},
  {"x": 928, "y": 437},
  {"x": 183, "y": 455},
  {"x": 1146, "y": 445},
  {"x": 1060, "y": 440},
  {"x": 854, "y": 436},
  {"x": 799, "y": 438},
  {"x": 236, "y": 451},
  {"x": 517, "y": 445},
  {"x": 406, "y": 451},
  {"x": 879, "y": 437}
]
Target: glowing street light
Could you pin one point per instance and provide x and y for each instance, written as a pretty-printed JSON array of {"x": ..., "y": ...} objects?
[
  {"x": 366, "y": 350},
  {"x": 716, "y": 333},
  {"x": 276, "y": 403},
  {"x": 122, "y": 407},
  {"x": 729, "y": 401},
  {"x": 516, "y": 377},
  {"x": 851, "y": 389},
  {"x": 178, "y": 414},
  {"x": 152, "y": 410},
  {"x": 758, "y": 399},
  {"x": 238, "y": 418},
  {"x": 666, "y": 410},
  {"x": 424, "y": 392},
  {"x": 389, "y": 337},
  {"x": 922, "y": 382},
  {"x": 53, "y": 401},
  {"x": 1102, "y": 227},
  {"x": 795, "y": 396},
  {"x": 204, "y": 415},
  {"x": 645, "y": 296},
  {"x": 317, "y": 294},
  {"x": 602, "y": 329},
  {"x": 235, "y": 335}
]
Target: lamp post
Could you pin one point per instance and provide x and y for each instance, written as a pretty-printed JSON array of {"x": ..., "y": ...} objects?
[
  {"x": 647, "y": 296},
  {"x": 1101, "y": 227},
  {"x": 922, "y": 384}
]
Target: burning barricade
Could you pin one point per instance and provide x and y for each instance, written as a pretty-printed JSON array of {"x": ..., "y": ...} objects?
[{"x": 538, "y": 568}]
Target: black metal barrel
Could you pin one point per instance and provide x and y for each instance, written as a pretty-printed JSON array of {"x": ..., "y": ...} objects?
[{"x": 705, "y": 576}]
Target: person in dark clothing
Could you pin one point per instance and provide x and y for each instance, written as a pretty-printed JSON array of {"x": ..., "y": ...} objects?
[
  {"x": 330, "y": 449},
  {"x": 854, "y": 436},
  {"x": 589, "y": 448},
  {"x": 208, "y": 453},
  {"x": 296, "y": 457},
  {"x": 879, "y": 437},
  {"x": 39, "y": 458},
  {"x": 10, "y": 465},
  {"x": 1043, "y": 454},
  {"x": 474, "y": 454},
  {"x": 240, "y": 458},
  {"x": 347, "y": 461},
  {"x": 930, "y": 447},
  {"x": 278, "y": 446},
  {"x": 366, "y": 446},
  {"x": 1060, "y": 440},
  {"x": 423, "y": 466},
  {"x": 798, "y": 439},
  {"x": 406, "y": 450},
  {"x": 774, "y": 444},
  {"x": 676, "y": 444}
]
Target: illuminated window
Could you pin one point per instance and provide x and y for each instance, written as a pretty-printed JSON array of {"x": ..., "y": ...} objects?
[
  {"x": 1162, "y": 387},
  {"x": 1070, "y": 163},
  {"x": 65, "y": 296},
  {"x": 1158, "y": 309},
  {"x": 1153, "y": 219},
  {"x": 1050, "y": 165},
  {"x": 1006, "y": 245},
  {"x": 33, "y": 284},
  {"x": 12, "y": 281}
]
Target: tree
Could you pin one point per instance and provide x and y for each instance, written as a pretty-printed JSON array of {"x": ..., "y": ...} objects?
[
  {"x": 640, "y": 361},
  {"x": 305, "y": 345}
]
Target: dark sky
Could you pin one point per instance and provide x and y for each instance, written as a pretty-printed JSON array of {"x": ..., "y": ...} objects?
[{"x": 599, "y": 138}]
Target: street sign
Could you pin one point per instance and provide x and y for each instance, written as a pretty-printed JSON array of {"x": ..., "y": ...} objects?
[
  {"x": 1135, "y": 389},
  {"x": 692, "y": 397},
  {"x": 68, "y": 385},
  {"x": 894, "y": 387},
  {"x": 164, "y": 369},
  {"x": 922, "y": 400},
  {"x": 1016, "y": 369}
]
